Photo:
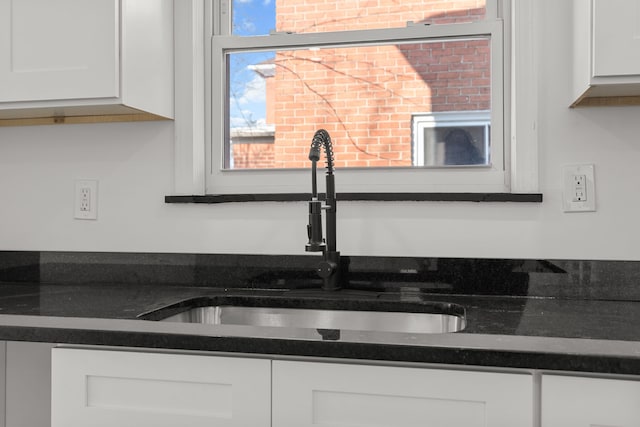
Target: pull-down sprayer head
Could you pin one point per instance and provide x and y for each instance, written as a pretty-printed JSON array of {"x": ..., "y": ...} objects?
[{"x": 322, "y": 138}]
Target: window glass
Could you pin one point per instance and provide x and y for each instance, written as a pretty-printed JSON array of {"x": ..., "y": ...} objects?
[
  {"x": 253, "y": 17},
  {"x": 367, "y": 97},
  {"x": 260, "y": 17}
]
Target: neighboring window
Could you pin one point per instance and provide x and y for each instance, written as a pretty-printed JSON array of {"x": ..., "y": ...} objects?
[
  {"x": 452, "y": 139},
  {"x": 283, "y": 69}
]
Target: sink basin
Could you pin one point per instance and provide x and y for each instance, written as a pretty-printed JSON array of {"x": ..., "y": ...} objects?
[{"x": 429, "y": 322}]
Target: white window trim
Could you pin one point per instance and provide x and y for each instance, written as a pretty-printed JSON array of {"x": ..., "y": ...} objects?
[
  {"x": 193, "y": 128},
  {"x": 190, "y": 69},
  {"x": 524, "y": 176}
]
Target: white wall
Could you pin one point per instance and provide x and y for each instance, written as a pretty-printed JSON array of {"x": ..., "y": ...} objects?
[{"x": 134, "y": 165}]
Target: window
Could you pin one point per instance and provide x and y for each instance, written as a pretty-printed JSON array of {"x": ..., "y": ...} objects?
[
  {"x": 267, "y": 97},
  {"x": 452, "y": 139}
]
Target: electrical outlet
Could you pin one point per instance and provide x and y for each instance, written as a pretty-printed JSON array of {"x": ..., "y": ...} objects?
[
  {"x": 579, "y": 188},
  {"x": 86, "y": 199},
  {"x": 579, "y": 193}
]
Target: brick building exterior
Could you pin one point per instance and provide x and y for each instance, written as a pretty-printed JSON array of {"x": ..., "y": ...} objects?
[{"x": 366, "y": 96}]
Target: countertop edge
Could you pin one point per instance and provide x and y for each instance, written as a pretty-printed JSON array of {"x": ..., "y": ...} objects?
[{"x": 483, "y": 350}]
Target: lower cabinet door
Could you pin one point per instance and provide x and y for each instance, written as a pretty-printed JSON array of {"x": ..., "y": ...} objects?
[
  {"x": 119, "y": 388},
  {"x": 589, "y": 402},
  {"x": 28, "y": 386},
  {"x": 324, "y": 394}
]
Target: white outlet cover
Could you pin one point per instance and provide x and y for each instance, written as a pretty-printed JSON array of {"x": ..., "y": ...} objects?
[
  {"x": 92, "y": 186},
  {"x": 568, "y": 200}
]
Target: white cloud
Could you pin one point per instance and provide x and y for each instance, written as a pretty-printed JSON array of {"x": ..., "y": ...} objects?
[
  {"x": 247, "y": 26},
  {"x": 254, "y": 91},
  {"x": 246, "y": 119}
]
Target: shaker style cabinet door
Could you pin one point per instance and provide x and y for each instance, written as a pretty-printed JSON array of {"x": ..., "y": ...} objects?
[
  {"x": 606, "y": 52},
  {"x": 3, "y": 386},
  {"x": 616, "y": 37},
  {"x": 28, "y": 384},
  {"x": 58, "y": 49},
  {"x": 323, "y": 394},
  {"x": 134, "y": 389},
  {"x": 587, "y": 402}
]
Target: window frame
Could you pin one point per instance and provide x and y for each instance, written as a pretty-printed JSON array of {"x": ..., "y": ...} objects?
[{"x": 193, "y": 171}]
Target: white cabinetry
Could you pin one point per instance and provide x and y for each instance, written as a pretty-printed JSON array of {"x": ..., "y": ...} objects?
[
  {"x": 28, "y": 384},
  {"x": 49, "y": 53},
  {"x": 310, "y": 394},
  {"x": 78, "y": 60},
  {"x": 3, "y": 385},
  {"x": 586, "y": 402},
  {"x": 119, "y": 388},
  {"x": 25, "y": 384},
  {"x": 108, "y": 388},
  {"x": 607, "y": 52}
]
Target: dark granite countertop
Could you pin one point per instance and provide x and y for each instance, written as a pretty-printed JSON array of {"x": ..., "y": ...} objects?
[{"x": 506, "y": 332}]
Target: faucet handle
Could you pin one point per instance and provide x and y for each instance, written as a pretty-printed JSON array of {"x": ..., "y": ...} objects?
[
  {"x": 326, "y": 268},
  {"x": 329, "y": 271}
]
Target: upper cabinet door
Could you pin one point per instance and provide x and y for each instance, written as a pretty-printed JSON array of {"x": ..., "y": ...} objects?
[
  {"x": 616, "y": 38},
  {"x": 58, "y": 49}
]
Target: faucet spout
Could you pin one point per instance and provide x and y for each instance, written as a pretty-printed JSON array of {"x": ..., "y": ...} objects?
[{"x": 329, "y": 268}]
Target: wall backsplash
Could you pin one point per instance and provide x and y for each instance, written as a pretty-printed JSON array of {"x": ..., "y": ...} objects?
[{"x": 570, "y": 279}]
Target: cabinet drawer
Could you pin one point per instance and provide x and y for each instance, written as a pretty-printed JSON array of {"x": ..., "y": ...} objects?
[{"x": 118, "y": 388}]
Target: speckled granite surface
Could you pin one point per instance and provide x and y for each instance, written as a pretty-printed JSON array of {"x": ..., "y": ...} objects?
[
  {"x": 538, "y": 314},
  {"x": 569, "y": 279}
]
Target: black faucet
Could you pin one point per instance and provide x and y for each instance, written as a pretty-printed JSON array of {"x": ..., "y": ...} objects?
[{"x": 329, "y": 267}]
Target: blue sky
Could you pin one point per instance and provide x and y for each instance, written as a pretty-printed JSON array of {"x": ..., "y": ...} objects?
[
  {"x": 247, "y": 103},
  {"x": 253, "y": 17}
]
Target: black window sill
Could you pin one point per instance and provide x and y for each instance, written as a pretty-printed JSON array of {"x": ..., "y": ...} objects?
[{"x": 383, "y": 197}]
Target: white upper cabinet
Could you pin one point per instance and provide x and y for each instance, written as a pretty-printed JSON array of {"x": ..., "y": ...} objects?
[
  {"x": 50, "y": 53},
  {"x": 607, "y": 52},
  {"x": 66, "y": 59},
  {"x": 616, "y": 38}
]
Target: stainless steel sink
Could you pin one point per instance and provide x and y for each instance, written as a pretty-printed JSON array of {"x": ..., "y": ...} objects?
[{"x": 286, "y": 317}]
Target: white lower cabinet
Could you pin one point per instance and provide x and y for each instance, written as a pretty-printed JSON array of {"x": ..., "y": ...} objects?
[
  {"x": 325, "y": 394},
  {"x": 28, "y": 384},
  {"x": 589, "y": 402},
  {"x": 120, "y": 388},
  {"x": 96, "y": 387},
  {"x": 25, "y": 384},
  {"x": 3, "y": 385}
]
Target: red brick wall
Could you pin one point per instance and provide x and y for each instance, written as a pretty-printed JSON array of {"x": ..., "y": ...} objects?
[
  {"x": 365, "y": 96},
  {"x": 253, "y": 156}
]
